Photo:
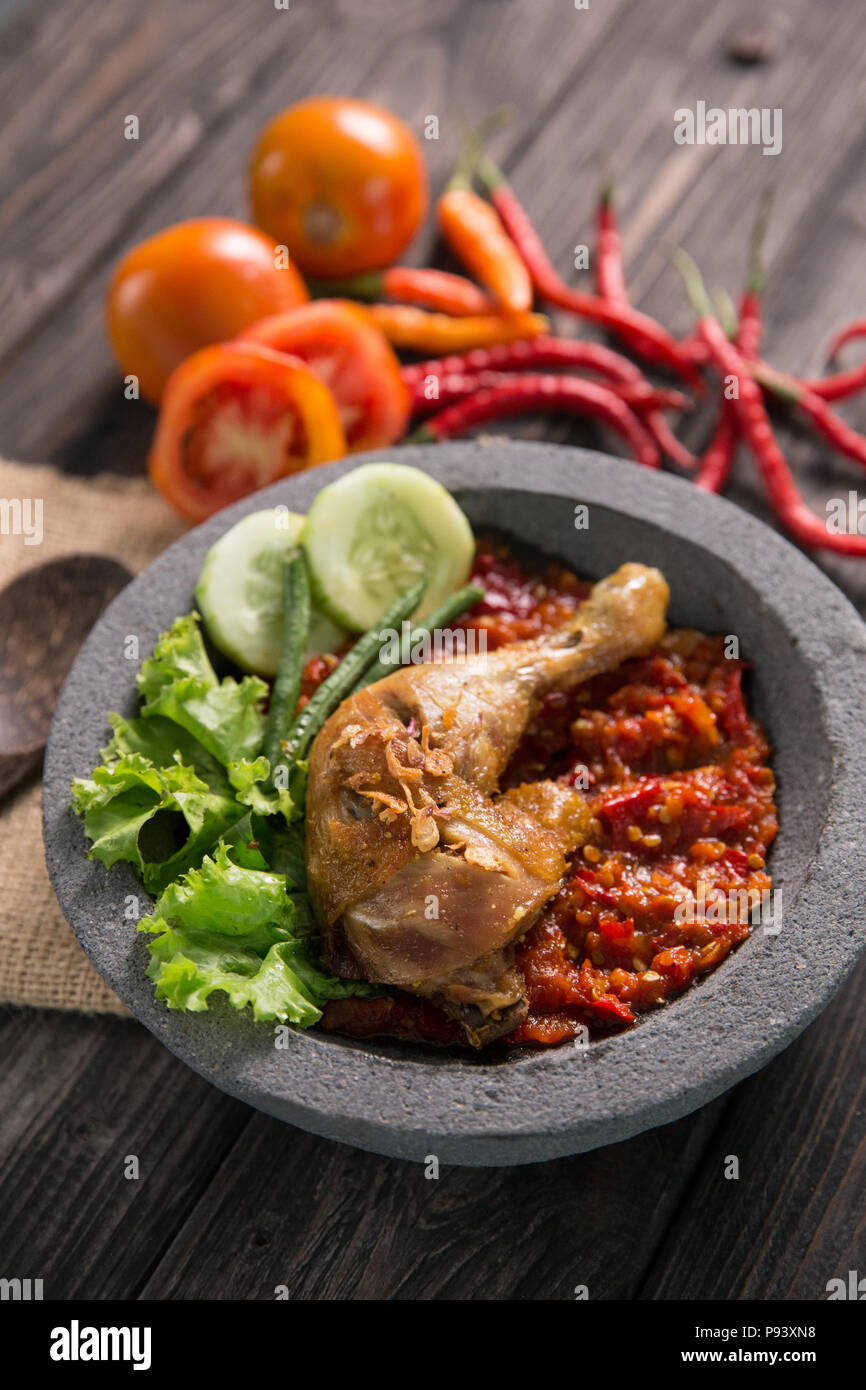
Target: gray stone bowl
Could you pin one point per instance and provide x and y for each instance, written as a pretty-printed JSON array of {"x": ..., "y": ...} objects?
[{"x": 727, "y": 573}]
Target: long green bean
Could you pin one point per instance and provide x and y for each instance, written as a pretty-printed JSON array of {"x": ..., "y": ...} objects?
[
  {"x": 296, "y": 626},
  {"x": 341, "y": 681},
  {"x": 447, "y": 611}
]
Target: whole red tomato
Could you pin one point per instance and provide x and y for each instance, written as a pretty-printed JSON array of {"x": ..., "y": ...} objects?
[
  {"x": 196, "y": 283},
  {"x": 341, "y": 183}
]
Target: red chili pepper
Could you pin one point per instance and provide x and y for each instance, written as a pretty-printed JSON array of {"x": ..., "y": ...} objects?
[
  {"x": 839, "y": 386},
  {"x": 609, "y": 264},
  {"x": 857, "y": 329},
  {"x": 613, "y": 287},
  {"x": 839, "y": 433},
  {"x": 718, "y": 457},
  {"x": 543, "y": 351},
  {"x": 751, "y": 415},
  {"x": 695, "y": 349},
  {"x": 519, "y": 394},
  {"x": 642, "y": 332},
  {"x": 431, "y": 289},
  {"x": 557, "y": 352},
  {"x": 667, "y": 440},
  {"x": 455, "y": 386},
  {"x": 751, "y": 329}
]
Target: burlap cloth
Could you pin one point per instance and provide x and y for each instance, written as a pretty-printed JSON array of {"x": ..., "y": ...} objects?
[{"x": 41, "y": 962}]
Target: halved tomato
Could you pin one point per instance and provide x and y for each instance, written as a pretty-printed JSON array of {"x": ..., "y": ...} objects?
[
  {"x": 353, "y": 358},
  {"x": 234, "y": 418}
]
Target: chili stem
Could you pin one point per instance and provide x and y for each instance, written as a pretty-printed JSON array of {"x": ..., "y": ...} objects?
[
  {"x": 473, "y": 143},
  {"x": 755, "y": 271}
]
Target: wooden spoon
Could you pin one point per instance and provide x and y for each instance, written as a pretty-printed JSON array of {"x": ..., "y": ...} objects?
[{"x": 45, "y": 615}]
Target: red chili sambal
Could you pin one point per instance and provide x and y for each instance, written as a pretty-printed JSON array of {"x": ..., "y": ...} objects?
[{"x": 683, "y": 814}]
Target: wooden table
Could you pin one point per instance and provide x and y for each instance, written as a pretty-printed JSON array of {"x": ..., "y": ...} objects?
[{"x": 231, "y": 1203}]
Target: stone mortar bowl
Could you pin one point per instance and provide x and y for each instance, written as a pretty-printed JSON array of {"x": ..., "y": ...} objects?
[{"x": 728, "y": 573}]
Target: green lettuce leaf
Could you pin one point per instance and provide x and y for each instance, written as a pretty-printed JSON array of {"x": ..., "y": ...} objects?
[
  {"x": 259, "y": 842},
  {"x": 185, "y": 796},
  {"x": 186, "y": 970},
  {"x": 285, "y": 853},
  {"x": 228, "y": 927},
  {"x": 162, "y": 820},
  {"x": 179, "y": 682},
  {"x": 225, "y": 897},
  {"x": 162, "y": 742},
  {"x": 249, "y": 781}
]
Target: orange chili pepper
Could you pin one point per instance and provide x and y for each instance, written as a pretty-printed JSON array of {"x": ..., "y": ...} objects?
[
  {"x": 436, "y": 289},
  {"x": 473, "y": 229},
  {"x": 430, "y": 289},
  {"x": 415, "y": 330}
]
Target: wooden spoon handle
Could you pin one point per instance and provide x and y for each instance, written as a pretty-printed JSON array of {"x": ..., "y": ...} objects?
[{"x": 14, "y": 770}]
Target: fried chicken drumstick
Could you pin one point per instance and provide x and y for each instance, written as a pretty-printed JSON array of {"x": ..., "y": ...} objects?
[{"x": 422, "y": 875}]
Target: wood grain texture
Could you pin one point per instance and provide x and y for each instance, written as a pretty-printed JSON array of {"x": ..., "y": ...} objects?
[
  {"x": 332, "y": 1223},
  {"x": 230, "y": 1203},
  {"x": 78, "y": 1096},
  {"x": 420, "y": 61},
  {"x": 795, "y": 1217}
]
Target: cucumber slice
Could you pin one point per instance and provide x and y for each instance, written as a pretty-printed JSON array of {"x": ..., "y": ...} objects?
[
  {"x": 370, "y": 535},
  {"x": 240, "y": 593}
]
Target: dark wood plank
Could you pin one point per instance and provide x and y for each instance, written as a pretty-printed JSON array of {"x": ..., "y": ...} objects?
[
  {"x": 333, "y": 1223},
  {"x": 65, "y": 201},
  {"x": 284, "y": 1207},
  {"x": 704, "y": 197},
  {"x": 450, "y": 62},
  {"x": 796, "y": 1216},
  {"x": 78, "y": 1095}
]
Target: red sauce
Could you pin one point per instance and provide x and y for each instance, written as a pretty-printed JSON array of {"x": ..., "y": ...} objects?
[
  {"x": 521, "y": 600},
  {"x": 317, "y": 669},
  {"x": 677, "y": 775}
]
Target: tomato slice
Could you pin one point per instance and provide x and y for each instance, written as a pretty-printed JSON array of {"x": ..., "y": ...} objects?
[
  {"x": 235, "y": 418},
  {"x": 353, "y": 358}
]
